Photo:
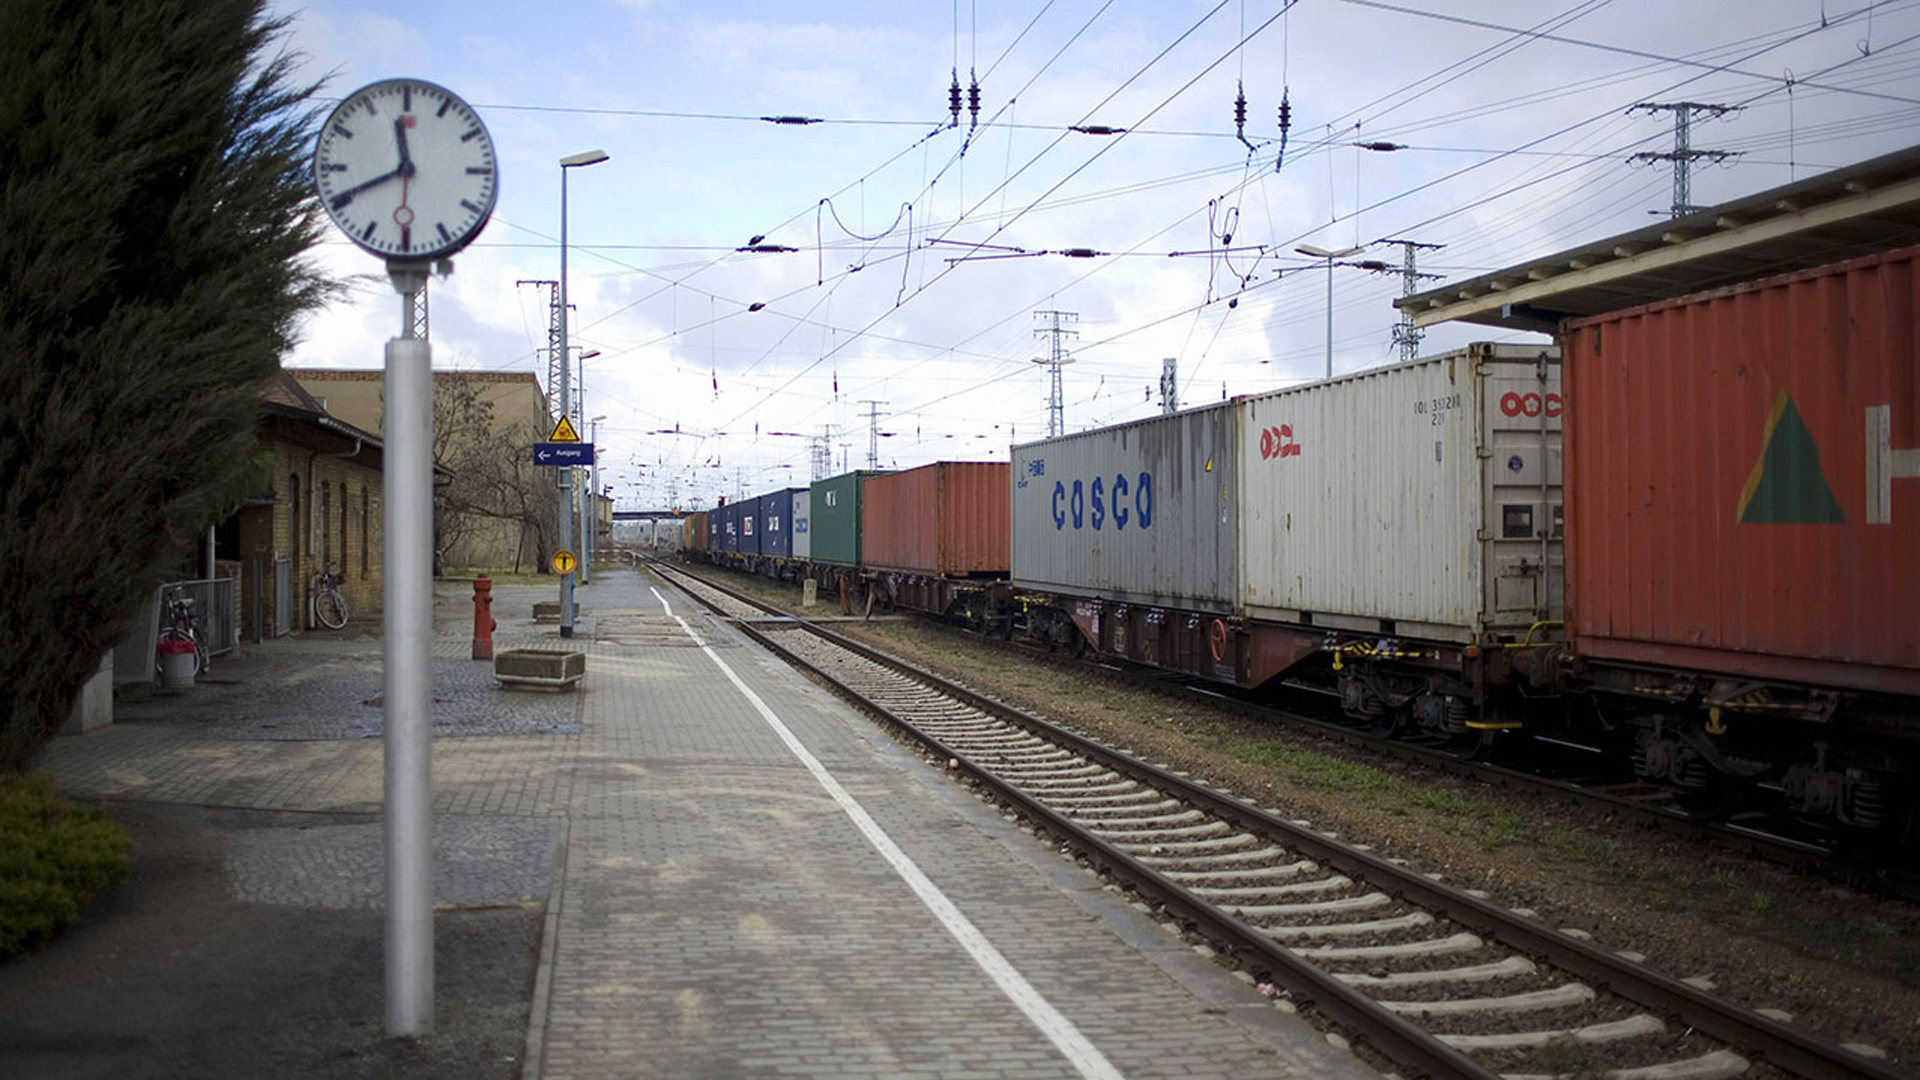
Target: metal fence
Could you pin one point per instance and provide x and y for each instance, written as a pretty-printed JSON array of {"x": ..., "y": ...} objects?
[{"x": 213, "y": 603}]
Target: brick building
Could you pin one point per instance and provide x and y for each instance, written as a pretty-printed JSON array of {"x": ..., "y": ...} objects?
[
  {"x": 495, "y": 509},
  {"x": 320, "y": 506}
]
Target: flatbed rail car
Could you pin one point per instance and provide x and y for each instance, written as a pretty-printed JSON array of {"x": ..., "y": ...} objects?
[
  {"x": 1747, "y": 527},
  {"x": 1393, "y": 535},
  {"x": 1744, "y": 514},
  {"x": 934, "y": 539}
]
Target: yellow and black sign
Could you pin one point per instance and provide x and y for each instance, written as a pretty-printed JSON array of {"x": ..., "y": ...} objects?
[
  {"x": 563, "y": 561},
  {"x": 563, "y": 432}
]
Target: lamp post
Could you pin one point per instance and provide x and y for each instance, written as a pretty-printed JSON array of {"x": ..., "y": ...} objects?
[
  {"x": 589, "y": 513},
  {"x": 572, "y": 161},
  {"x": 580, "y": 409},
  {"x": 1323, "y": 253}
]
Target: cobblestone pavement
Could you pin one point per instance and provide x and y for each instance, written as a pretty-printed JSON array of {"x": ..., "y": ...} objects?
[
  {"x": 334, "y": 861},
  {"x": 717, "y": 913}
]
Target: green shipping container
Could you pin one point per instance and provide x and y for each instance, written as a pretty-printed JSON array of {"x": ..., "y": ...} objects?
[{"x": 836, "y": 518}]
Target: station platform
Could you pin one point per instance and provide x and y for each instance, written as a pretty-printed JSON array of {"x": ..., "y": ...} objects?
[{"x": 755, "y": 880}]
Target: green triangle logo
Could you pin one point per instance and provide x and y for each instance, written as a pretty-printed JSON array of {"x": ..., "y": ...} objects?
[{"x": 1786, "y": 486}]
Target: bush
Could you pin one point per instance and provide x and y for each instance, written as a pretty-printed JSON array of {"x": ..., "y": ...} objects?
[{"x": 54, "y": 856}]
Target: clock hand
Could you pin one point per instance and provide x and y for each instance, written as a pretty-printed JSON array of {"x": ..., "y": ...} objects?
[
  {"x": 346, "y": 196},
  {"x": 400, "y": 136}
]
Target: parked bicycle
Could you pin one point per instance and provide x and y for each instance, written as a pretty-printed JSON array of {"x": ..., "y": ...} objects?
[
  {"x": 180, "y": 622},
  {"x": 329, "y": 606}
]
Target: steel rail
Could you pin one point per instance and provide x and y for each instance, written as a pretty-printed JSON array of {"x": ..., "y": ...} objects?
[{"x": 1774, "y": 1042}]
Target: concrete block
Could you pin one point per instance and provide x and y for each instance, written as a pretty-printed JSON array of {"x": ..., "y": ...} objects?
[
  {"x": 94, "y": 707},
  {"x": 551, "y": 669}
]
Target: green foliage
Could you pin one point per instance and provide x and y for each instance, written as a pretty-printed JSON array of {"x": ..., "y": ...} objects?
[
  {"x": 154, "y": 212},
  {"x": 53, "y": 858}
]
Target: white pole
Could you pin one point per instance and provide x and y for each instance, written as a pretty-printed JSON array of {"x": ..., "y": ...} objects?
[
  {"x": 593, "y": 484},
  {"x": 566, "y": 400},
  {"x": 408, "y": 564},
  {"x": 1329, "y": 316}
]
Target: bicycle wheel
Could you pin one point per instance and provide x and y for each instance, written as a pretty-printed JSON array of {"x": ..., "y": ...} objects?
[{"x": 331, "y": 609}]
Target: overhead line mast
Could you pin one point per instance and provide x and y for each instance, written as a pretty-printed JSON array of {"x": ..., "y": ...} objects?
[
  {"x": 1056, "y": 326},
  {"x": 1683, "y": 155},
  {"x": 556, "y": 354},
  {"x": 1406, "y": 336}
]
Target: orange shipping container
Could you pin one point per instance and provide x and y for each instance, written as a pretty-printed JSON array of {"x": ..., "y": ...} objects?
[
  {"x": 1743, "y": 478},
  {"x": 948, "y": 519}
]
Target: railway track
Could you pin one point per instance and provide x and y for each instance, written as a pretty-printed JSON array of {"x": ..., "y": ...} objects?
[
  {"x": 1439, "y": 980},
  {"x": 1624, "y": 798}
]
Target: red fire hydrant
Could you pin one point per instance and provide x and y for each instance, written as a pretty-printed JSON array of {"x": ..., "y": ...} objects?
[{"x": 483, "y": 624}]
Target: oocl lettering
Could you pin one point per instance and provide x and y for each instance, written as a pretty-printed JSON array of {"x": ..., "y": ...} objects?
[
  {"x": 1082, "y": 503},
  {"x": 1514, "y": 403},
  {"x": 1278, "y": 442}
]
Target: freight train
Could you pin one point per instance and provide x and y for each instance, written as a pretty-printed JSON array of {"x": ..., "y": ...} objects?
[{"x": 1718, "y": 586}]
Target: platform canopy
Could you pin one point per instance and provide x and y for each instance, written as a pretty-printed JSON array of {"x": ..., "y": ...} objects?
[{"x": 1863, "y": 209}]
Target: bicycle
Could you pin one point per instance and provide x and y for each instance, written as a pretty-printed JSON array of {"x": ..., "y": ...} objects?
[
  {"x": 329, "y": 607},
  {"x": 182, "y": 624}
]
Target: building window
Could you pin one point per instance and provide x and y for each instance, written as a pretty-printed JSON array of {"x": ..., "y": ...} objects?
[{"x": 363, "y": 531}]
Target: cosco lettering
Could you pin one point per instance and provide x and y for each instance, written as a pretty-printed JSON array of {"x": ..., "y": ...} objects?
[{"x": 1080, "y": 503}]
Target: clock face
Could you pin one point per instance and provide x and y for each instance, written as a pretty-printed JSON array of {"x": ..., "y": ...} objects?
[{"x": 406, "y": 170}]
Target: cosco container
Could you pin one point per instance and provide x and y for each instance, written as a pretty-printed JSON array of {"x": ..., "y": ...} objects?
[
  {"x": 774, "y": 522},
  {"x": 1743, "y": 472},
  {"x": 948, "y": 519},
  {"x": 1142, "y": 513},
  {"x": 834, "y": 518},
  {"x": 1420, "y": 499},
  {"x": 802, "y": 524}
]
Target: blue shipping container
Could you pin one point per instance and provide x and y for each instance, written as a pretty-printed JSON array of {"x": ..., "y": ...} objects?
[{"x": 778, "y": 515}]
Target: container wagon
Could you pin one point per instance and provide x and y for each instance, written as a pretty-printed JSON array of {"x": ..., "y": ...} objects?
[
  {"x": 774, "y": 516},
  {"x": 1744, "y": 491},
  {"x": 935, "y": 539},
  {"x": 834, "y": 535},
  {"x": 802, "y": 526},
  {"x": 1392, "y": 535}
]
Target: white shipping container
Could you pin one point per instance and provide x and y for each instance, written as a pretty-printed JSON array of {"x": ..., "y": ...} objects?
[
  {"x": 1140, "y": 513},
  {"x": 802, "y": 532},
  {"x": 1420, "y": 499}
]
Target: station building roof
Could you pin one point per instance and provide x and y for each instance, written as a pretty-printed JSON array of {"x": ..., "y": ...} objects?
[{"x": 1862, "y": 209}]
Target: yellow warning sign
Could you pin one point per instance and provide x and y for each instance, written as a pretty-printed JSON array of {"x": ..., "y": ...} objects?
[
  {"x": 563, "y": 432},
  {"x": 563, "y": 562}
]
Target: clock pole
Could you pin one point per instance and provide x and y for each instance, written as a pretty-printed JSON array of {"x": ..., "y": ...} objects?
[
  {"x": 439, "y": 169},
  {"x": 408, "y": 468}
]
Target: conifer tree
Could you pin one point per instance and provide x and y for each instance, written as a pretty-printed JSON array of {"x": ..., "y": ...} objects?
[{"x": 154, "y": 215}]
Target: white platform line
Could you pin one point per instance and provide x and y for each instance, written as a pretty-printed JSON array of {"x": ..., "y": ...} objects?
[{"x": 1086, "y": 1059}]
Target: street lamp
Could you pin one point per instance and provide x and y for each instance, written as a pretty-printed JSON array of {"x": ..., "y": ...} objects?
[
  {"x": 589, "y": 513},
  {"x": 572, "y": 161},
  {"x": 1323, "y": 253}
]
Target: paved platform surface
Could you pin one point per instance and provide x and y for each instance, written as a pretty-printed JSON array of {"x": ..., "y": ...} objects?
[{"x": 743, "y": 876}]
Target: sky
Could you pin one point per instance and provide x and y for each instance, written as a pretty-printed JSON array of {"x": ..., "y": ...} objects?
[{"x": 909, "y": 313}]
